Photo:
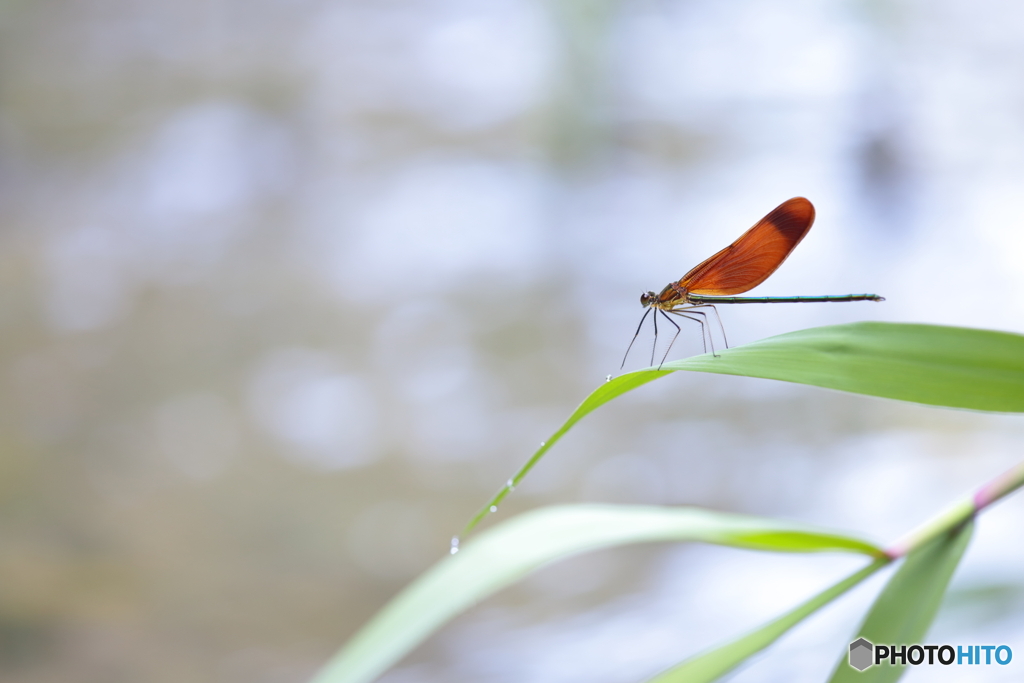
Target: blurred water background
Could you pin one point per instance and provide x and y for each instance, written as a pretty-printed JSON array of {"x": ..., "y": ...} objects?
[{"x": 289, "y": 288}]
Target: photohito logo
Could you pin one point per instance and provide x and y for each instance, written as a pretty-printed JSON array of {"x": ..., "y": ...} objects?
[{"x": 864, "y": 653}]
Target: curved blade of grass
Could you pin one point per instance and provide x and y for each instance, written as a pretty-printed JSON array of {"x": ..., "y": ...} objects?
[
  {"x": 904, "y": 610},
  {"x": 955, "y": 367},
  {"x": 711, "y": 665},
  {"x": 606, "y": 392},
  {"x": 504, "y": 554}
]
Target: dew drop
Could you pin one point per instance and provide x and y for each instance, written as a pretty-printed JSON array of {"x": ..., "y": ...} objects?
[
  {"x": 543, "y": 444},
  {"x": 607, "y": 378},
  {"x": 455, "y": 545},
  {"x": 494, "y": 508},
  {"x": 510, "y": 485}
]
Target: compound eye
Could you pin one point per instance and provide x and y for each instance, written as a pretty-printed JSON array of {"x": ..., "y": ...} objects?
[{"x": 645, "y": 299}]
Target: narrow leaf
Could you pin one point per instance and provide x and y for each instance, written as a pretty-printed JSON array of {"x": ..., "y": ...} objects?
[
  {"x": 907, "y": 606},
  {"x": 504, "y": 554},
  {"x": 945, "y": 366},
  {"x": 711, "y": 665}
]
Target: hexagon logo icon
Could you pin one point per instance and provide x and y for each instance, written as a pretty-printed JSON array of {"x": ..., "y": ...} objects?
[{"x": 860, "y": 654}]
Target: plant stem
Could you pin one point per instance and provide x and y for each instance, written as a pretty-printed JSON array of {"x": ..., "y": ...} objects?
[{"x": 959, "y": 512}]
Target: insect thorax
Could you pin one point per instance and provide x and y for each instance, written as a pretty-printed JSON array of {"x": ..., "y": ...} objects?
[{"x": 671, "y": 296}]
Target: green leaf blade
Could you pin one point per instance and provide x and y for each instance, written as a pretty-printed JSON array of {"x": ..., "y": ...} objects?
[
  {"x": 715, "y": 663},
  {"x": 906, "y": 607},
  {"x": 955, "y": 367},
  {"x": 504, "y": 554}
]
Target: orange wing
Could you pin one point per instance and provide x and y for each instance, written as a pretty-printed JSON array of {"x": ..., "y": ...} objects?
[{"x": 749, "y": 261}]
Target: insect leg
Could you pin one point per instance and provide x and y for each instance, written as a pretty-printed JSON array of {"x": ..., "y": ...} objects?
[
  {"x": 720, "y": 325},
  {"x": 676, "y": 336},
  {"x": 634, "y": 338},
  {"x": 718, "y": 317},
  {"x": 654, "y": 346},
  {"x": 689, "y": 314}
]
